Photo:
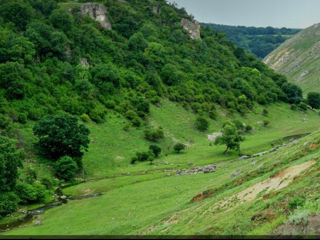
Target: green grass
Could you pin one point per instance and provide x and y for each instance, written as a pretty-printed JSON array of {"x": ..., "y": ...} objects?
[
  {"x": 136, "y": 197},
  {"x": 162, "y": 205}
]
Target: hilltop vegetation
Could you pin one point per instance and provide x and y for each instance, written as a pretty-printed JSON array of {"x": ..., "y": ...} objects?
[
  {"x": 255, "y": 40},
  {"x": 298, "y": 59}
]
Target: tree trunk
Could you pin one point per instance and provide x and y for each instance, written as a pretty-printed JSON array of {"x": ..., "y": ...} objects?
[{"x": 225, "y": 152}]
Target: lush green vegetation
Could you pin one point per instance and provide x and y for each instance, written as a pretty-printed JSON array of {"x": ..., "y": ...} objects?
[
  {"x": 83, "y": 102},
  {"x": 256, "y": 40}
]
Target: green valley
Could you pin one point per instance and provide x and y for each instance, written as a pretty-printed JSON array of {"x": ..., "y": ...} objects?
[{"x": 131, "y": 118}]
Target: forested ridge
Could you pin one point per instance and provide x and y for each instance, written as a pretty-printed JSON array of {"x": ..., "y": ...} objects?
[{"x": 259, "y": 41}]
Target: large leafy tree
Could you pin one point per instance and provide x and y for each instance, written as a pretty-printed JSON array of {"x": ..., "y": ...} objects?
[
  {"x": 230, "y": 137},
  {"x": 61, "y": 135}
]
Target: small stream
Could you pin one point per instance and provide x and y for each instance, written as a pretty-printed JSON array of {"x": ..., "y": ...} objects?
[{"x": 29, "y": 216}]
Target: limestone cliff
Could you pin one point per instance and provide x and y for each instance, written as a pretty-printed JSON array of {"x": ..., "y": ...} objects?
[
  {"x": 97, "y": 12},
  {"x": 192, "y": 27}
]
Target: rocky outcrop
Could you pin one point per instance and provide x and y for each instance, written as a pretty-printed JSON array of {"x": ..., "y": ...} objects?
[
  {"x": 97, "y": 12},
  {"x": 84, "y": 62},
  {"x": 193, "y": 28},
  {"x": 156, "y": 10}
]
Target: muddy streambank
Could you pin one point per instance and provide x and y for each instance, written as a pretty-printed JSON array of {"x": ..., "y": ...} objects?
[{"x": 31, "y": 215}]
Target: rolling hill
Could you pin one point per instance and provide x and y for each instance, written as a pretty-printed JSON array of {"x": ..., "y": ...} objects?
[
  {"x": 256, "y": 40},
  {"x": 298, "y": 58}
]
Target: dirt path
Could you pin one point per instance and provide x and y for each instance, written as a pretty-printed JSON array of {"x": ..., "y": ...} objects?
[{"x": 277, "y": 182}]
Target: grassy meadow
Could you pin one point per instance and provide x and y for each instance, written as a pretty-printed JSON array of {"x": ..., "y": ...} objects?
[{"x": 153, "y": 199}]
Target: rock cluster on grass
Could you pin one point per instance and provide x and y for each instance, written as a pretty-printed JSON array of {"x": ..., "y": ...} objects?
[{"x": 197, "y": 170}]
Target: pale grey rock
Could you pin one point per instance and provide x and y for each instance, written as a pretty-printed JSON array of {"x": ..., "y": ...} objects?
[
  {"x": 97, "y": 12},
  {"x": 192, "y": 27},
  {"x": 84, "y": 62}
]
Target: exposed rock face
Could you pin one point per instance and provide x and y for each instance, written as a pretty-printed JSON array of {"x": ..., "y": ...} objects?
[
  {"x": 97, "y": 12},
  {"x": 156, "y": 10},
  {"x": 193, "y": 28},
  {"x": 84, "y": 62}
]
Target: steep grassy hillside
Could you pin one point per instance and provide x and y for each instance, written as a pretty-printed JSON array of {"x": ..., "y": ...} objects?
[
  {"x": 256, "y": 40},
  {"x": 298, "y": 58}
]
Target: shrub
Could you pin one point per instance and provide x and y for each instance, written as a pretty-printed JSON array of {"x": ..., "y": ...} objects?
[
  {"x": 296, "y": 202},
  {"x": 314, "y": 100},
  {"x": 155, "y": 149},
  {"x": 30, "y": 193},
  {"x": 248, "y": 128},
  {"x": 22, "y": 118},
  {"x": 8, "y": 203},
  {"x": 265, "y": 112},
  {"x": 66, "y": 168},
  {"x": 303, "y": 106},
  {"x": 179, "y": 147},
  {"x": 85, "y": 118},
  {"x": 202, "y": 124},
  {"x": 154, "y": 135},
  {"x": 266, "y": 123},
  {"x": 142, "y": 157}
]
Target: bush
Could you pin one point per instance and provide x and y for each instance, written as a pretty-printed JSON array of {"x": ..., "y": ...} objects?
[
  {"x": 85, "y": 118},
  {"x": 248, "y": 128},
  {"x": 155, "y": 149},
  {"x": 294, "y": 107},
  {"x": 179, "y": 147},
  {"x": 302, "y": 106},
  {"x": 142, "y": 157},
  {"x": 66, "y": 168},
  {"x": 30, "y": 193},
  {"x": 8, "y": 203},
  {"x": 265, "y": 112},
  {"x": 266, "y": 123},
  {"x": 314, "y": 100},
  {"x": 296, "y": 202},
  {"x": 202, "y": 124},
  {"x": 22, "y": 118},
  {"x": 154, "y": 135}
]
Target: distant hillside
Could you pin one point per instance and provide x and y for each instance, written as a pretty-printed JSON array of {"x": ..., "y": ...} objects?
[
  {"x": 256, "y": 40},
  {"x": 299, "y": 58}
]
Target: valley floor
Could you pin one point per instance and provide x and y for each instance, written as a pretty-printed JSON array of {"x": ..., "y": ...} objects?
[{"x": 265, "y": 194}]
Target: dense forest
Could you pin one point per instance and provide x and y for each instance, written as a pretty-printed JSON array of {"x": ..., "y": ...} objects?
[
  {"x": 59, "y": 66},
  {"x": 259, "y": 41}
]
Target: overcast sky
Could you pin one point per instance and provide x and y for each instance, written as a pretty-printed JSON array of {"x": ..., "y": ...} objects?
[{"x": 260, "y": 13}]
